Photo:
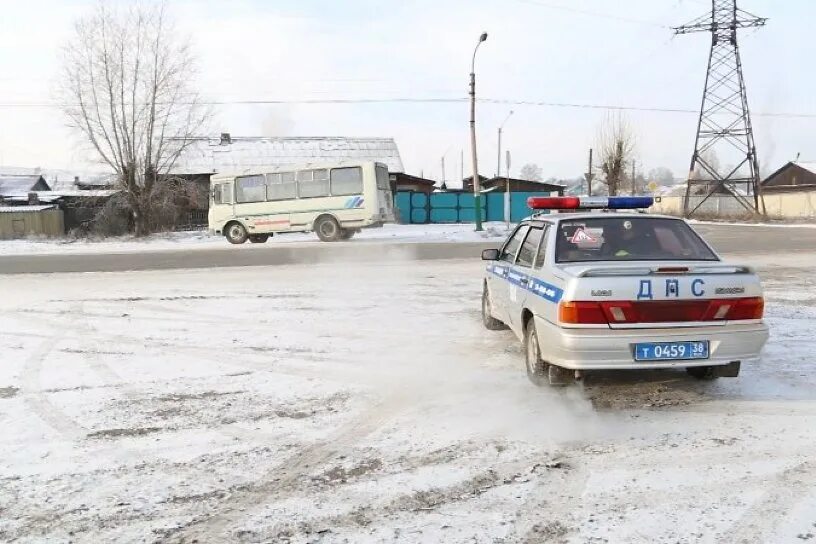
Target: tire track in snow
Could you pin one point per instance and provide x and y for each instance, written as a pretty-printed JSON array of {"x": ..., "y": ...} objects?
[
  {"x": 280, "y": 481},
  {"x": 782, "y": 493},
  {"x": 37, "y": 401}
]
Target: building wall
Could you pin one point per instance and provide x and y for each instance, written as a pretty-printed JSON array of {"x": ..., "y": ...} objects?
[
  {"x": 794, "y": 205},
  {"x": 792, "y": 175},
  {"x": 21, "y": 224}
]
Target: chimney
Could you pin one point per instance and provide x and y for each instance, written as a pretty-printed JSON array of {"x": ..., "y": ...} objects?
[
  {"x": 33, "y": 199},
  {"x": 226, "y": 139}
]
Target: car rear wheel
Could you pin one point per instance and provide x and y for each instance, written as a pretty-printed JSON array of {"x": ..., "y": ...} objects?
[
  {"x": 327, "y": 228},
  {"x": 490, "y": 322},
  {"x": 538, "y": 371}
]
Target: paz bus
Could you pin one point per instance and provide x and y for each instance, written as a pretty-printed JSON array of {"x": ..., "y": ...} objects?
[{"x": 335, "y": 200}]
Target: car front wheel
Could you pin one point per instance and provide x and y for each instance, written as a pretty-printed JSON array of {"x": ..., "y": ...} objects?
[{"x": 490, "y": 322}]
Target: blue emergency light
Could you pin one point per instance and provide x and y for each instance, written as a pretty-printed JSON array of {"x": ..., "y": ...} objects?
[{"x": 589, "y": 202}]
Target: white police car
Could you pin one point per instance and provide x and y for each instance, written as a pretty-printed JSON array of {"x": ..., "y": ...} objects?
[{"x": 590, "y": 290}]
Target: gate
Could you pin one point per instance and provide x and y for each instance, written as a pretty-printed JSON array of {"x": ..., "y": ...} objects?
[{"x": 457, "y": 207}]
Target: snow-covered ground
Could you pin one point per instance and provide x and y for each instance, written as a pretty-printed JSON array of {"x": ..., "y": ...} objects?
[
  {"x": 201, "y": 239},
  {"x": 367, "y": 404}
]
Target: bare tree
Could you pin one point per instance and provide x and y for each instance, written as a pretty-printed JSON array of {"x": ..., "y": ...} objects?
[
  {"x": 531, "y": 172},
  {"x": 128, "y": 88},
  {"x": 616, "y": 143}
]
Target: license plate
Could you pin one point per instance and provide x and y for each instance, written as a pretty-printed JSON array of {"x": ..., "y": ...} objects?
[{"x": 671, "y": 351}]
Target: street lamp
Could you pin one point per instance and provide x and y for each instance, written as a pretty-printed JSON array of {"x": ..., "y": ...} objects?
[
  {"x": 498, "y": 155},
  {"x": 477, "y": 189}
]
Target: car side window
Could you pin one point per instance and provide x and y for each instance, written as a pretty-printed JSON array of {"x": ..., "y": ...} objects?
[
  {"x": 542, "y": 248},
  {"x": 510, "y": 248},
  {"x": 529, "y": 247}
]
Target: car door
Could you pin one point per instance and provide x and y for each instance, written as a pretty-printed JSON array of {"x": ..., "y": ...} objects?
[
  {"x": 499, "y": 284},
  {"x": 521, "y": 275}
]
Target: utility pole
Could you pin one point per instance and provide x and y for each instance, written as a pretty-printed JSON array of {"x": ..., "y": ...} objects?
[
  {"x": 498, "y": 155},
  {"x": 589, "y": 176},
  {"x": 461, "y": 166},
  {"x": 477, "y": 189},
  {"x": 724, "y": 125},
  {"x": 507, "y": 194}
]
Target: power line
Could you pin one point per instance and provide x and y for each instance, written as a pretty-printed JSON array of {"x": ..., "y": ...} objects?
[
  {"x": 512, "y": 102},
  {"x": 592, "y": 13}
]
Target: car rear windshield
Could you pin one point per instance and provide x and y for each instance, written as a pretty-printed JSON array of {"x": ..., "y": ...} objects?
[{"x": 629, "y": 239}]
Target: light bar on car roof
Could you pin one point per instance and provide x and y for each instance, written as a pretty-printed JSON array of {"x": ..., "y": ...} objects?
[{"x": 589, "y": 202}]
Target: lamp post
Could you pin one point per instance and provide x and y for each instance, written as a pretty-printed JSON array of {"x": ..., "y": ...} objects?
[
  {"x": 498, "y": 155},
  {"x": 477, "y": 189}
]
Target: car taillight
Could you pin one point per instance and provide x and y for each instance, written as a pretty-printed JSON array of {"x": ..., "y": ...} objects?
[
  {"x": 581, "y": 313},
  {"x": 660, "y": 311},
  {"x": 748, "y": 308}
]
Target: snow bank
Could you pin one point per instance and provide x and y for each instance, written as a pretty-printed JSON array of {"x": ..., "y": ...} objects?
[{"x": 201, "y": 239}]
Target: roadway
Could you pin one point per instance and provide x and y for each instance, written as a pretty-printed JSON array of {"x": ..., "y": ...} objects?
[{"x": 726, "y": 239}]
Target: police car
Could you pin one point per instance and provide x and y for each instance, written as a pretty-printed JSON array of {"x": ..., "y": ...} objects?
[{"x": 601, "y": 285}]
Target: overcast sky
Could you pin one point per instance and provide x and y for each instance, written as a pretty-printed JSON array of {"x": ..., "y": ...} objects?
[{"x": 590, "y": 53}]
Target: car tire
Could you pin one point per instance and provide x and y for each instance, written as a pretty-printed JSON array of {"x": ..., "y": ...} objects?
[
  {"x": 702, "y": 372},
  {"x": 236, "y": 233},
  {"x": 346, "y": 234},
  {"x": 537, "y": 370},
  {"x": 328, "y": 229},
  {"x": 490, "y": 322},
  {"x": 258, "y": 238}
]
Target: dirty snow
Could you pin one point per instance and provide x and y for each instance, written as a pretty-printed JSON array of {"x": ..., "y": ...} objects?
[
  {"x": 203, "y": 240},
  {"x": 367, "y": 404}
]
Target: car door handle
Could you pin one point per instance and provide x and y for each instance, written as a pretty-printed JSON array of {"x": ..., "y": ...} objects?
[{"x": 523, "y": 281}]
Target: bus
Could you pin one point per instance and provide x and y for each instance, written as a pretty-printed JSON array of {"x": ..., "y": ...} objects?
[{"x": 333, "y": 200}]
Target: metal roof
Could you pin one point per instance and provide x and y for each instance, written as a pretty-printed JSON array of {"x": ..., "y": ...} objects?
[
  {"x": 24, "y": 209},
  {"x": 18, "y": 184},
  {"x": 240, "y": 154}
]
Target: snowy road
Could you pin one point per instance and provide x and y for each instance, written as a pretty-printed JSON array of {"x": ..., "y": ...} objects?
[{"x": 331, "y": 403}]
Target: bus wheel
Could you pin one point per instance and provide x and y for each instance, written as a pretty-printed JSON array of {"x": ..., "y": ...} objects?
[
  {"x": 347, "y": 234},
  {"x": 236, "y": 233},
  {"x": 258, "y": 238},
  {"x": 327, "y": 228}
]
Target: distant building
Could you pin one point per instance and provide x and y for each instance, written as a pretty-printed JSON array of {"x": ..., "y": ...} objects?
[
  {"x": 21, "y": 184},
  {"x": 407, "y": 182},
  {"x": 516, "y": 185},
  {"x": 237, "y": 155},
  {"x": 794, "y": 176}
]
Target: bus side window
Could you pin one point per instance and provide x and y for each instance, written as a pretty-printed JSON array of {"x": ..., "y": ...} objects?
[
  {"x": 216, "y": 194},
  {"x": 311, "y": 185}
]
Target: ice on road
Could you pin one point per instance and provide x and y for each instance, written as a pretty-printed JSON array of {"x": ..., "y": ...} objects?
[{"x": 351, "y": 403}]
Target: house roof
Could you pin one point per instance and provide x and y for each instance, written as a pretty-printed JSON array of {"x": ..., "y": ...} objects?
[
  {"x": 408, "y": 178},
  {"x": 18, "y": 184},
  {"x": 53, "y": 196},
  {"x": 805, "y": 165},
  {"x": 241, "y": 154},
  {"x": 24, "y": 209}
]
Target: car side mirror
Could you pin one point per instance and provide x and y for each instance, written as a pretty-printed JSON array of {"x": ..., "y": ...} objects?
[{"x": 490, "y": 255}]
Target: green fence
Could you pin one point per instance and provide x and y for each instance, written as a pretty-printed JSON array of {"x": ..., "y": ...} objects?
[{"x": 457, "y": 207}]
